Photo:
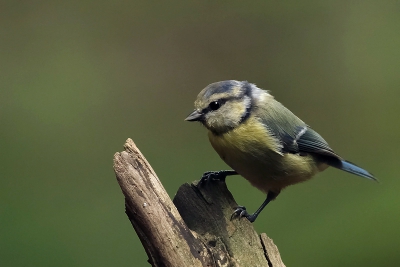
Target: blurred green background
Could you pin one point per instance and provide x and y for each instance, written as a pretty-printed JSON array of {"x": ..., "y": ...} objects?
[{"x": 80, "y": 77}]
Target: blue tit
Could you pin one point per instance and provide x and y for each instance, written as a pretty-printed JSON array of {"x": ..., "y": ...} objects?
[{"x": 262, "y": 140}]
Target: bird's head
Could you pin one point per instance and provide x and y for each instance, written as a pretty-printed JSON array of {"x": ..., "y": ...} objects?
[{"x": 224, "y": 105}]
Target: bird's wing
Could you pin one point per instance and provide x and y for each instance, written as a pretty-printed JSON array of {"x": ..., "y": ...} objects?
[
  {"x": 305, "y": 140},
  {"x": 296, "y": 137},
  {"x": 293, "y": 134}
]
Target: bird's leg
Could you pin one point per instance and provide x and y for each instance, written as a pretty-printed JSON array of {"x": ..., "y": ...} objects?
[
  {"x": 215, "y": 176},
  {"x": 242, "y": 212}
]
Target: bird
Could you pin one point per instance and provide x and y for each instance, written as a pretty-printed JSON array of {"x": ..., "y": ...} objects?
[{"x": 262, "y": 140}]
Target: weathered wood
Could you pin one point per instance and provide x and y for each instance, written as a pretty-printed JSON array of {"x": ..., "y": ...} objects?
[{"x": 201, "y": 233}]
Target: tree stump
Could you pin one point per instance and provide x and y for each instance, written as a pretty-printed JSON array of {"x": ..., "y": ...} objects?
[{"x": 195, "y": 229}]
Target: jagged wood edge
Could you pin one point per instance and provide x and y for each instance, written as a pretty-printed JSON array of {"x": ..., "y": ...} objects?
[{"x": 201, "y": 233}]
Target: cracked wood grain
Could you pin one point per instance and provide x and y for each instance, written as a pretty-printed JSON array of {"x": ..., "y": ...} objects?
[{"x": 195, "y": 228}]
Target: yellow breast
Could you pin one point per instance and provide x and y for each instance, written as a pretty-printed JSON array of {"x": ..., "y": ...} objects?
[
  {"x": 249, "y": 137},
  {"x": 250, "y": 150}
]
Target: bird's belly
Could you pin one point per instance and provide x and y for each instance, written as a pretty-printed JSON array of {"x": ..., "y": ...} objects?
[
  {"x": 273, "y": 173},
  {"x": 264, "y": 168}
]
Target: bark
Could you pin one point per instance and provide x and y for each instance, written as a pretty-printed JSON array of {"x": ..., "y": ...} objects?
[{"x": 195, "y": 229}]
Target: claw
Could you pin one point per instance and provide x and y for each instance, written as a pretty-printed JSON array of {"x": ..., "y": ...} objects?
[
  {"x": 213, "y": 176},
  {"x": 206, "y": 178},
  {"x": 241, "y": 211},
  {"x": 244, "y": 213}
]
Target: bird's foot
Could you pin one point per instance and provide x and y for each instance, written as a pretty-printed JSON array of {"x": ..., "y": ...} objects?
[
  {"x": 241, "y": 211},
  {"x": 212, "y": 176}
]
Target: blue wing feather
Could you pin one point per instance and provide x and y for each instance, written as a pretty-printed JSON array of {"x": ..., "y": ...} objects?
[{"x": 297, "y": 137}]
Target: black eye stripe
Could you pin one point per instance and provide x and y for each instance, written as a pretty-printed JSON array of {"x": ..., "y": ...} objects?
[
  {"x": 221, "y": 102},
  {"x": 214, "y": 105}
]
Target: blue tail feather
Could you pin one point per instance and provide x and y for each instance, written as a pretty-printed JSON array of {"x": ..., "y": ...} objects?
[{"x": 354, "y": 169}]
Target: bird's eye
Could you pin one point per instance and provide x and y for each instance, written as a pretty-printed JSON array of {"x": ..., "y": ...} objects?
[{"x": 215, "y": 105}]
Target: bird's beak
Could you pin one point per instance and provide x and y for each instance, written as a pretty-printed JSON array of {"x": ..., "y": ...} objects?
[{"x": 194, "y": 116}]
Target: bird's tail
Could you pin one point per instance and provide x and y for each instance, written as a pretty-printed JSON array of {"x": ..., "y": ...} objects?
[{"x": 352, "y": 168}]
